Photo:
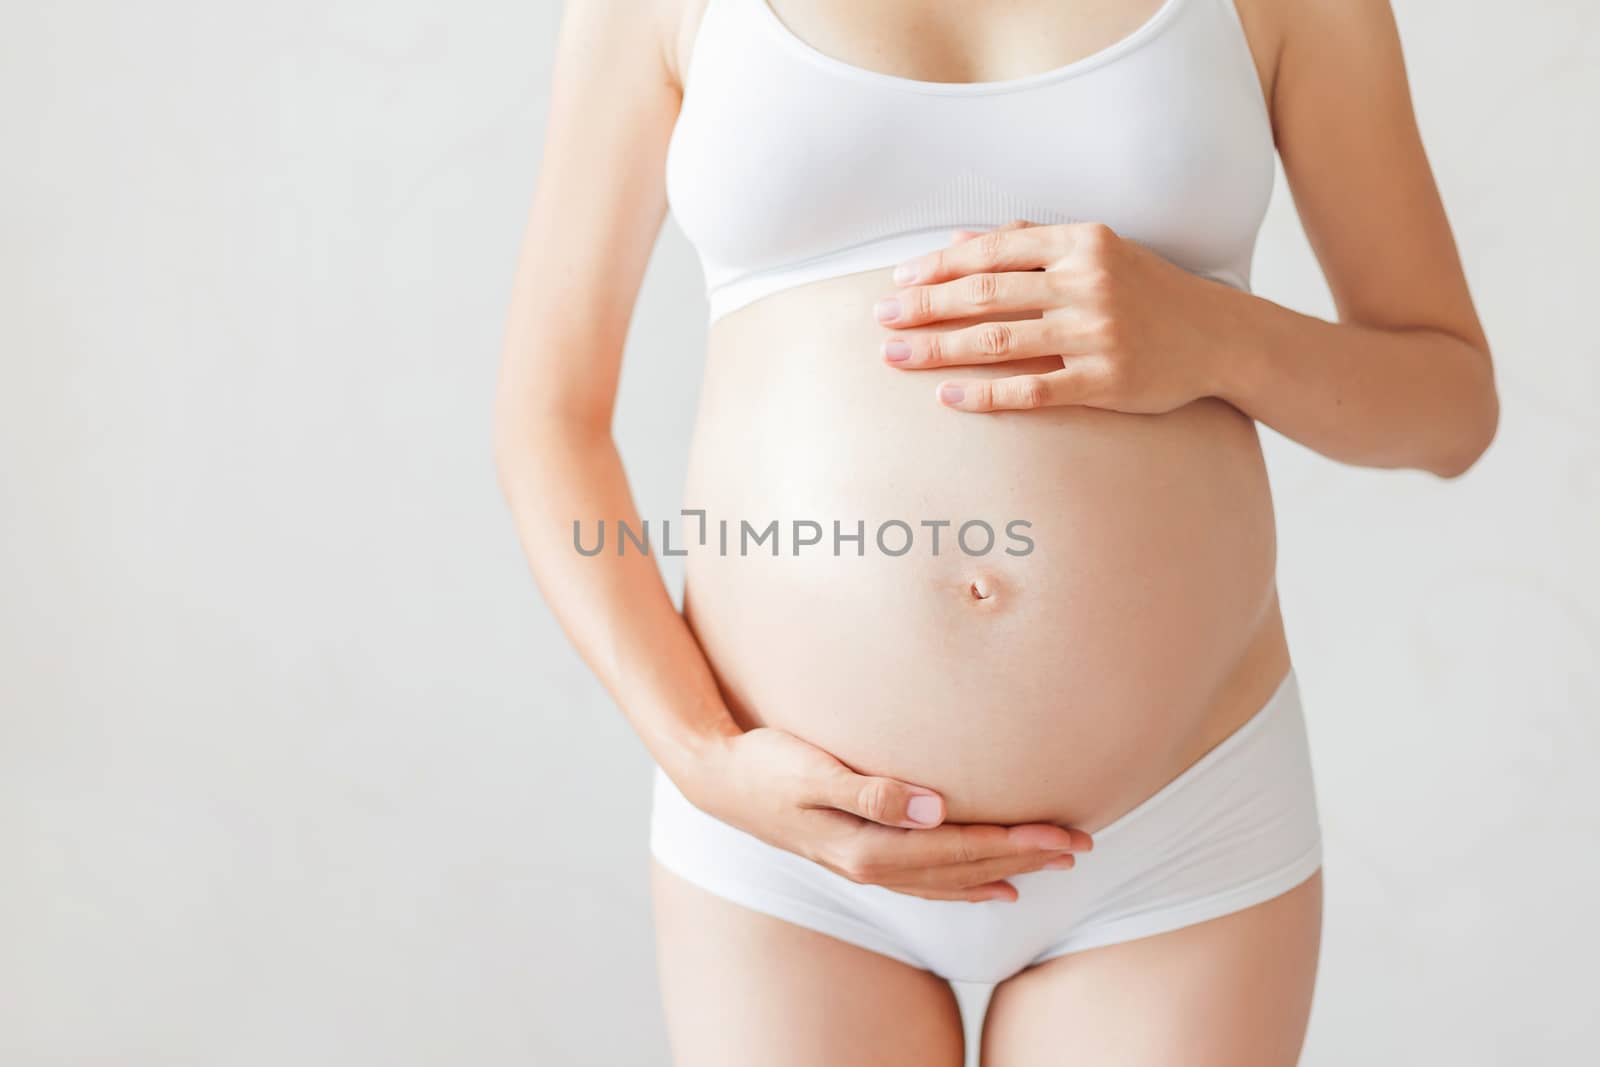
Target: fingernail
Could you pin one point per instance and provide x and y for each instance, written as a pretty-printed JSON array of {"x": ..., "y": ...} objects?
[
  {"x": 887, "y": 309},
  {"x": 999, "y": 894},
  {"x": 905, "y": 272},
  {"x": 952, "y": 394},
  {"x": 923, "y": 810},
  {"x": 896, "y": 351},
  {"x": 1060, "y": 863}
]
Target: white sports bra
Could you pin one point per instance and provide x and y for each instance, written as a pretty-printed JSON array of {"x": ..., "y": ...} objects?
[{"x": 788, "y": 166}]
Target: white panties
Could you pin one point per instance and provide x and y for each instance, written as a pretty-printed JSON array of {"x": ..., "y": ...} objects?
[{"x": 1237, "y": 827}]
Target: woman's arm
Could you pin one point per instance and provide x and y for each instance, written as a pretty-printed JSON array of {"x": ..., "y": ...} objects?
[
  {"x": 1403, "y": 379},
  {"x": 597, "y": 210}
]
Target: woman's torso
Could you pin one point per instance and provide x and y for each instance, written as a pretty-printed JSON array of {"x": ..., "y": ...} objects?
[{"x": 1133, "y": 621}]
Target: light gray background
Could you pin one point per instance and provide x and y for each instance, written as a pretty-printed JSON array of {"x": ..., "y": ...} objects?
[{"x": 295, "y": 766}]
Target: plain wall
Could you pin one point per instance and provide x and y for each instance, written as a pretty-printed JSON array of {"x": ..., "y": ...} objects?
[{"x": 295, "y": 766}]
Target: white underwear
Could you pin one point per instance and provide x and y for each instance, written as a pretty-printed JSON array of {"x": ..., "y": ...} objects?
[{"x": 1237, "y": 827}]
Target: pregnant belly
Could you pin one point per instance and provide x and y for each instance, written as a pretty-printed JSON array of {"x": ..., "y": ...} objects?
[{"x": 1042, "y": 615}]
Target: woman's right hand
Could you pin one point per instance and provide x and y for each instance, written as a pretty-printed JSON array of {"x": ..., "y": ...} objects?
[{"x": 871, "y": 830}]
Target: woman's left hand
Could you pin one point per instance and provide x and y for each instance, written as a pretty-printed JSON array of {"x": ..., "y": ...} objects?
[{"x": 1135, "y": 332}]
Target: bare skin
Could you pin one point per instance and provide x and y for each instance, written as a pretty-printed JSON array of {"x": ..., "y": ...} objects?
[
  {"x": 1402, "y": 380},
  {"x": 830, "y": 1002},
  {"x": 1231, "y": 992}
]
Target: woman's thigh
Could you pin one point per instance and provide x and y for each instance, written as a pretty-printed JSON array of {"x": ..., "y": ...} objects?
[
  {"x": 740, "y": 988},
  {"x": 1231, "y": 992}
]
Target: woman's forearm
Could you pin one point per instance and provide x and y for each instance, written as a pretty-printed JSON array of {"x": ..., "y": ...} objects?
[
  {"x": 614, "y": 607},
  {"x": 1415, "y": 398}
]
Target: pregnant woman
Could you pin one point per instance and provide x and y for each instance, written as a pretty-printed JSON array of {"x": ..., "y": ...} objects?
[{"x": 980, "y": 673}]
